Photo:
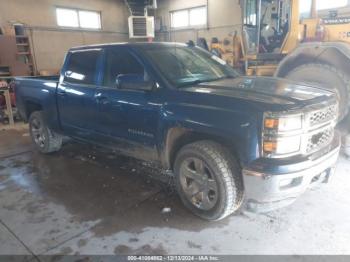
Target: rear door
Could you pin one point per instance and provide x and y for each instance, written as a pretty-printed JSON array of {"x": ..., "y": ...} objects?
[{"x": 75, "y": 93}]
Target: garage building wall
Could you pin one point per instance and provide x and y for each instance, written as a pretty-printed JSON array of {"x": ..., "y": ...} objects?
[
  {"x": 49, "y": 41},
  {"x": 224, "y": 18}
]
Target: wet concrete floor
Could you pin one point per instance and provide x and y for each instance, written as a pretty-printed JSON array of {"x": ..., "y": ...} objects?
[{"x": 85, "y": 201}]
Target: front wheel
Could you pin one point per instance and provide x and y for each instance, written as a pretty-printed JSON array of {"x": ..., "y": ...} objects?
[
  {"x": 44, "y": 139},
  {"x": 208, "y": 180}
]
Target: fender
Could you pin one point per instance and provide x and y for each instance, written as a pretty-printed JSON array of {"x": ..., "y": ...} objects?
[{"x": 189, "y": 123}]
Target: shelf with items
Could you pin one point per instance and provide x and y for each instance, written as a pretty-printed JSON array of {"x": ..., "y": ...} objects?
[
  {"x": 5, "y": 71},
  {"x": 16, "y": 51},
  {"x": 23, "y": 48}
]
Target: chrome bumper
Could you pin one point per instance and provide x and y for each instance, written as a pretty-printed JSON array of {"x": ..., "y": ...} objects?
[{"x": 266, "y": 192}]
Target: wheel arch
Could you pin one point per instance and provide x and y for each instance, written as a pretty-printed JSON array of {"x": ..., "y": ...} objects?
[
  {"x": 332, "y": 53},
  {"x": 30, "y": 107},
  {"x": 178, "y": 137}
]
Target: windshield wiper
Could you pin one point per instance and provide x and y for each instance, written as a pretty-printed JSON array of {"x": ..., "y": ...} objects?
[
  {"x": 190, "y": 83},
  {"x": 199, "y": 81},
  {"x": 224, "y": 77},
  {"x": 217, "y": 79}
]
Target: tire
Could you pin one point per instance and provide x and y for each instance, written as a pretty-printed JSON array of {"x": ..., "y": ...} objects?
[
  {"x": 217, "y": 167},
  {"x": 327, "y": 77},
  {"x": 44, "y": 139}
]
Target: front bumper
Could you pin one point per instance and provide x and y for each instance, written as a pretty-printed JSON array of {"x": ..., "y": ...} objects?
[{"x": 266, "y": 191}]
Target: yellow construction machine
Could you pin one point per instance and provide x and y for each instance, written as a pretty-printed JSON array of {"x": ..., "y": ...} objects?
[{"x": 290, "y": 39}]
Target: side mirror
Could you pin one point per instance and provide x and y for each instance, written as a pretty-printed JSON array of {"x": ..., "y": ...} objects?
[{"x": 134, "y": 82}]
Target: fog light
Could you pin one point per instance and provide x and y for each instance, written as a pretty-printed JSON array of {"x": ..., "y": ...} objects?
[
  {"x": 290, "y": 182},
  {"x": 286, "y": 182}
]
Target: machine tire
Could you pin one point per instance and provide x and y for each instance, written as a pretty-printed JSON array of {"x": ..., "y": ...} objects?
[
  {"x": 220, "y": 167},
  {"x": 328, "y": 77},
  {"x": 44, "y": 139}
]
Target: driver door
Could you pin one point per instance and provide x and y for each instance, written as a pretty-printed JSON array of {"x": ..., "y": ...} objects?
[{"x": 128, "y": 117}]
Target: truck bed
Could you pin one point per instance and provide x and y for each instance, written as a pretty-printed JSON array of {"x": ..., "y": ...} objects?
[{"x": 34, "y": 91}]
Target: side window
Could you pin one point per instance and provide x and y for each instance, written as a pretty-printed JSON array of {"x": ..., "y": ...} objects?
[
  {"x": 250, "y": 28},
  {"x": 250, "y": 13},
  {"x": 305, "y": 9},
  {"x": 119, "y": 62},
  {"x": 81, "y": 68}
]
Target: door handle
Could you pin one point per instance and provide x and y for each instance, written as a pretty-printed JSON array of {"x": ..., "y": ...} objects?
[
  {"x": 61, "y": 93},
  {"x": 102, "y": 100}
]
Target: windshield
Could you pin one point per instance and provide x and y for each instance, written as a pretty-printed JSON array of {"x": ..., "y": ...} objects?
[
  {"x": 184, "y": 66},
  {"x": 322, "y": 5},
  {"x": 305, "y": 6}
]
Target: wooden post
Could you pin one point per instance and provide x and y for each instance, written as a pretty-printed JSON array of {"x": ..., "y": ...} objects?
[{"x": 9, "y": 107}]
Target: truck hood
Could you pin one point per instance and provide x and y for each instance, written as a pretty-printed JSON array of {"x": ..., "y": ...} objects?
[{"x": 265, "y": 90}]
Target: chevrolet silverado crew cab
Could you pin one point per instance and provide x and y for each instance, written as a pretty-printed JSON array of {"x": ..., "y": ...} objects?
[{"x": 229, "y": 141}]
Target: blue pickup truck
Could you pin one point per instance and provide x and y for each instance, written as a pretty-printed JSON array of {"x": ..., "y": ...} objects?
[{"x": 229, "y": 141}]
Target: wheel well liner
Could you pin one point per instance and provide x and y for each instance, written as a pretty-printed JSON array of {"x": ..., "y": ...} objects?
[{"x": 31, "y": 107}]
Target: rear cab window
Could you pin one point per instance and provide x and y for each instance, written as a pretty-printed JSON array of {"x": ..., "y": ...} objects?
[{"x": 81, "y": 67}]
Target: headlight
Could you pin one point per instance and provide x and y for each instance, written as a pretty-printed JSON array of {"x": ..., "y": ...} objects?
[
  {"x": 283, "y": 124},
  {"x": 281, "y": 135},
  {"x": 282, "y": 146}
]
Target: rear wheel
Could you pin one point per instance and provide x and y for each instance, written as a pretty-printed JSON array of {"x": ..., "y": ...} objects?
[
  {"x": 327, "y": 77},
  {"x": 44, "y": 139},
  {"x": 208, "y": 180}
]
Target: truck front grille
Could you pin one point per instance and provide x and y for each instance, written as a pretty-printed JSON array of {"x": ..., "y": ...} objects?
[
  {"x": 319, "y": 128},
  {"x": 319, "y": 140},
  {"x": 322, "y": 116}
]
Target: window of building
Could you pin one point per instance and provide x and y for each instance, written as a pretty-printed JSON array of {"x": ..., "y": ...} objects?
[
  {"x": 67, "y": 17},
  {"x": 78, "y": 18},
  {"x": 191, "y": 17},
  {"x": 81, "y": 68}
]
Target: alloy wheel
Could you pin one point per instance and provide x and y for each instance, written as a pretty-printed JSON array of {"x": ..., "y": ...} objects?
[{"x": 198, "y": 183}]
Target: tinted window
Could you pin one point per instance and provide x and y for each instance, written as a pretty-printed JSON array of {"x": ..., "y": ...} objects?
[
  {"x": 82, "y": 67},
  {"x": 120, "y": 62}
]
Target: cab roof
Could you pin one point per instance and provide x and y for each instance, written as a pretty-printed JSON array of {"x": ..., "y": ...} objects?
[{"x": 137, "y": 45}]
